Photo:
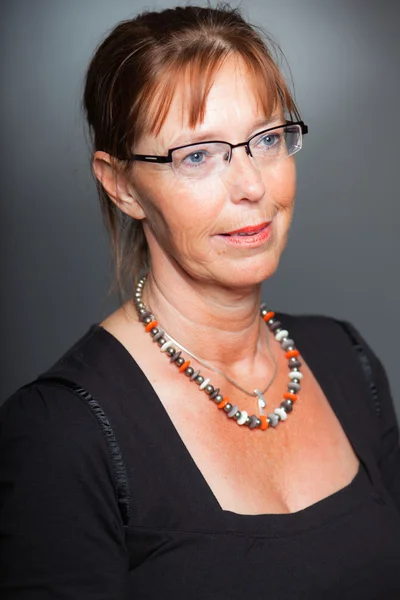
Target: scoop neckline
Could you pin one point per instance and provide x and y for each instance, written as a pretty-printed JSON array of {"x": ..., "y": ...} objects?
[{"x": 342, "y": 501}]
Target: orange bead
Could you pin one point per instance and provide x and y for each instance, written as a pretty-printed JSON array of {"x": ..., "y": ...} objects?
[
  {"x": 268, "y": 316},
  {"x": 184, "y": 366},
  {"x": 223, "y": 402},
  {"x": 289, "y": 396},
  {"x": 292, "y": 353},
  {"x": 150, "y": 326},
  {"x": 264, "y": 423}
]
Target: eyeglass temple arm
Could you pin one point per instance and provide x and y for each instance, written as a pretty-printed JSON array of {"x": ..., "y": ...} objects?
[
  {"x": 304, "y": 127},
  {"x": 149, "y": 158}
]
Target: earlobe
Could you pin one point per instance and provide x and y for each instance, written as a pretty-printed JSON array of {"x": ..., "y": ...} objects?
[{"x": 116, "y": 184}]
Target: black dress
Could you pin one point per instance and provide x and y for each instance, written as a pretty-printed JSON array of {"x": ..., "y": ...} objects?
[{"x": 100, "y": 498}]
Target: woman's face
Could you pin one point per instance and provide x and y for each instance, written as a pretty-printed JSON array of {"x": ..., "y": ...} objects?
[{"x": 187, "y": 221}]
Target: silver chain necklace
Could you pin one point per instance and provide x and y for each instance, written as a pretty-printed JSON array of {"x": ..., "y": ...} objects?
[{"x": 255, "y": 394}]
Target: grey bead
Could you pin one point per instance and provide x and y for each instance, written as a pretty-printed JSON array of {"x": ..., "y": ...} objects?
[
  {"x": 253, "y": 422},
  {"x": 296, "y": 381},
  {"x": 199, "y": 379},
  {"x": 144, "y": 316},
  {"x": 276, "y": 325},
  {"x": 233, "y": 411},
  {"x": 158, "y": 335},
  {"x": 273, "y": 419},
  {"x": 209, "y": 389},
  {"x": 294, "y": 363},
  {"x": 195, "y": 374},
  {"x": 215, "y": 393},
  {"x": 160, "y": 340},
  {"x": 170, "y": 350},
  {"x": 287, "y": 405},
  {"x": 179, "y": 361},
  {"x": 247, "y": 421},
  {"x": 175, "y": 356},
  {"x": 218, "y": 398},
  {"x": 141, "y": 312},
  {"x": 287, "y": 344},
  {"x": 147, "y": 320},
  {"x": 140, "y": 305},
  {"x": 237, "y": 415},
  {"x": 294, "y": 387},
  {"x": 154, "y": 331},
  {"x": 189, "y": 371},
  {"x": 227, "y": 407}
]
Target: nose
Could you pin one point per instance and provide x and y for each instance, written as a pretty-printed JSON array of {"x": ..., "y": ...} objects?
[{"x": 244, "y": 177}]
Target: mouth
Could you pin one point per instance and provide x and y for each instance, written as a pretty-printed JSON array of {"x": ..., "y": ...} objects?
[
  {"x": 251, "y": 236},
  {"x": 248, "y": 231}
]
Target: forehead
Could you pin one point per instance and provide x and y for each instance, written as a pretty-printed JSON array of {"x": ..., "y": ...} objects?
[{"x": 233, "y": 104}]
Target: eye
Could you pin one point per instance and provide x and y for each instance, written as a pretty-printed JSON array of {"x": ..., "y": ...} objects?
[
  {"x": 202, "y": 159},
  {"x": 268, "y": 143},
  {"x": 195, "y": 158},
  {"x": 269, "y": 139}
]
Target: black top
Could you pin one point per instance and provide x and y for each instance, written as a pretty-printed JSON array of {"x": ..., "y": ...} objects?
[{"x": 64, "y": 524}]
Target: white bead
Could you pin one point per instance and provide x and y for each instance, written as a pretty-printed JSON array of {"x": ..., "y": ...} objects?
[
  {"x": 243, "y": 418},
  {"x": 166, "y": 345},
  {"x": 282, "y": 413},
  {"x": 295, "y": 375},
  {"x": 281, "y": 334},
  {"x": 203, "y": 385}
]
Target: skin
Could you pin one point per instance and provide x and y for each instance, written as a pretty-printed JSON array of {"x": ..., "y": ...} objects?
[
  {"x": 202, "y": 287},
  {"x": 206, "y": 294}
]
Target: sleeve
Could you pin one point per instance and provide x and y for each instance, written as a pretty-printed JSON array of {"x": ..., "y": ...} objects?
[
  {"x": 61, "y": 532},
  {"x": 387, "y": 422}
]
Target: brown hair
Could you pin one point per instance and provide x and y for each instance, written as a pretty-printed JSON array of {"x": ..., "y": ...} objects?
[{"x": 131, "y": 81}]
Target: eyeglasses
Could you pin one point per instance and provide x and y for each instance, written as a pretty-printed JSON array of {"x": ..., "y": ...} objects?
[{"x": 203, "y": 159}]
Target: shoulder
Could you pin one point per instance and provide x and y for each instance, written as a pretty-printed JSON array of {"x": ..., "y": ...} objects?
[
  {"x": 312, "y": 323},
  {"x": 342, "y": 348},
  {"x": 333, "y": 332},
  {"x": 43, "y": 426}
]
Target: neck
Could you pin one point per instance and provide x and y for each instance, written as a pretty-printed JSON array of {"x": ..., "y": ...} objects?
[{"x": 220, "y": 325}]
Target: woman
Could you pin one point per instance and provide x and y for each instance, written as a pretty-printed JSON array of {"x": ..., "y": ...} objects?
[{"x": 195, "y": 444}]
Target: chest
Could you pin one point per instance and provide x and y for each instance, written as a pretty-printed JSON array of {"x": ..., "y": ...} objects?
[{"x": 281, "y": 470}]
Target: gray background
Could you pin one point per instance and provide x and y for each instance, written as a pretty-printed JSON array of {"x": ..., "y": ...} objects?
[{"x": 342, "y": 257}]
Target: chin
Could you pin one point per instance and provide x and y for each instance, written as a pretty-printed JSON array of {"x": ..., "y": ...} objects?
[{"x": 250, "y": 273}]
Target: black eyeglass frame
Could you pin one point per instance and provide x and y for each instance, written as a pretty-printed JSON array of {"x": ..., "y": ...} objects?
[{"x": 168, "y": 158}]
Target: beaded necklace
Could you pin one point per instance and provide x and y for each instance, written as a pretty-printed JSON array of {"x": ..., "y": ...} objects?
[{"x": 232, "y": 411}]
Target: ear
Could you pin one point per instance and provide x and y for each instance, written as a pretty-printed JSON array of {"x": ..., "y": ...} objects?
[{"x": 116, "y": 184}]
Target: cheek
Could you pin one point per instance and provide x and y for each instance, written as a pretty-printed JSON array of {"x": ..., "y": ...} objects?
[
  {"x": 281, "y": 181},
  {"x": 180, "y": 215}
]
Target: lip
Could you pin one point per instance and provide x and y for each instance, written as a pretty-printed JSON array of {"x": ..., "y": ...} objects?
[
  {"x": 259, "y": 235},
  {"x": 252, "y": 229}
]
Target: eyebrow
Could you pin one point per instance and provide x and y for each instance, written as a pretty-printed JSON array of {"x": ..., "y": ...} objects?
[{"x": 189, "y": 137}]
